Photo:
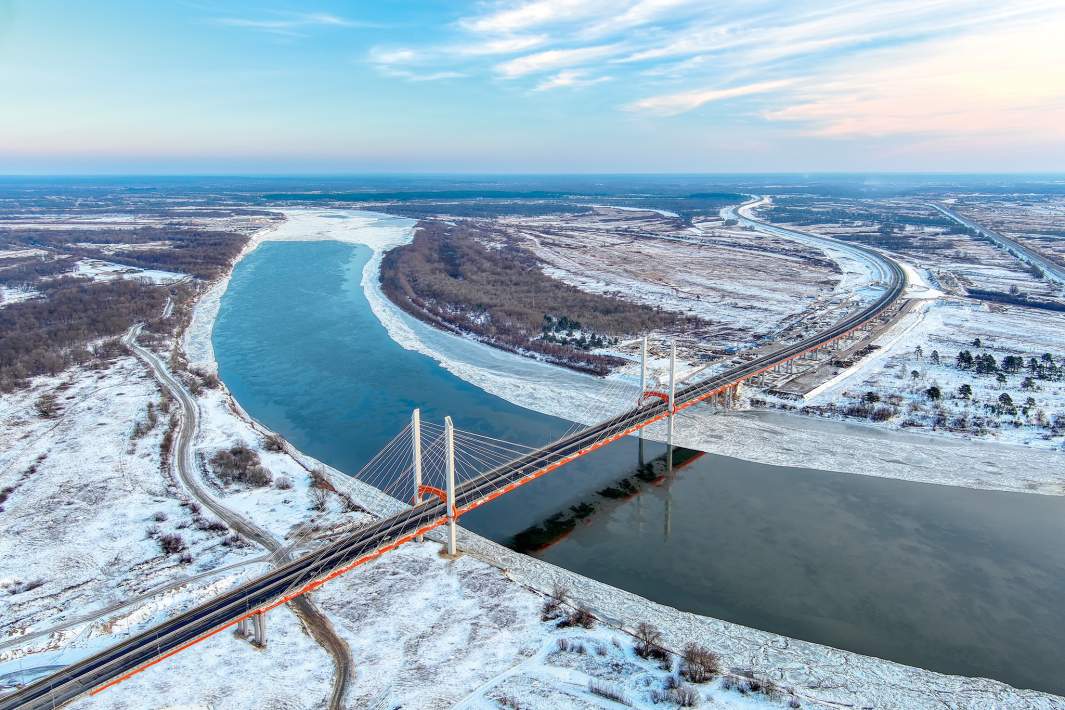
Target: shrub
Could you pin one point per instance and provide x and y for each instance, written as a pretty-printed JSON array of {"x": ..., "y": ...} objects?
[
  {"x": 552, "y": 608},
  {"x": 47, "y": 406},
  {"x": 283, "y": 483},
  {"x": 581, "y": 616},
  {"x": 608, "y": 691},
  {"x": 274, "y": 442},
  {"x": 172, "y": 543},
  {"x": 215, "y": 526},
  {"x": 159, "y": 516},
  {"x": 685, "y": 696},
  {"x": 258, "y": 476},
  {"x": 649, "y": 642},
  {"x": 701, "y": 665},
  {"x": 240, "y": 464},
  {"x": 882, "y": 414},
  {"x": 318, "y": 499},
  {"x": 319, "y": 479},
  {"x": 570, "y": 646}
]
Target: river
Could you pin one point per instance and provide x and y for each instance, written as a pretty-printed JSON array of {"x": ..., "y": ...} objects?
[{"x": 955, "y": 580}]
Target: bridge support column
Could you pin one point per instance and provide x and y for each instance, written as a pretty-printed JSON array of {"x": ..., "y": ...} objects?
[
  {"x": 243, "y": 629},
  {"x": 643, "y": 387},
  {"x": 259, "y": 639},
  {"x": 449, "y": 440},
  {"x": 416, "y": 441},
  {"x": 672, "y": 395}
]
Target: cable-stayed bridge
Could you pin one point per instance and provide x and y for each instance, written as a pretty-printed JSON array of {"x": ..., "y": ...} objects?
[{"x": 445, "y": 472}]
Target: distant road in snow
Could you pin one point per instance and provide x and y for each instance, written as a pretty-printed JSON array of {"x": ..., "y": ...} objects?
[
  {"x": 1026, "y": 254},
  {"x": 878, "y": 263}
]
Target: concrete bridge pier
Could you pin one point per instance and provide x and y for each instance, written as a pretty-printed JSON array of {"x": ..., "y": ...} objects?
[
  {"x": 259, "y": 637},
  {"x": 243, "y": 629},
  {"x": 416, "y": 445},
  {"x": 452, "y": 531},
  {"x": 672, "y": 395}
]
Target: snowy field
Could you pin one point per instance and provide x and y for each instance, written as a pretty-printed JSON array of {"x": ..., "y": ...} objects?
[
  {"x": 947, "y": 328},
  {"x": 98, "y": 270},
  {"x": 14, "y": 294},
  {"x": 716, "y": 273},
  {"x": 85, "y": 508}
]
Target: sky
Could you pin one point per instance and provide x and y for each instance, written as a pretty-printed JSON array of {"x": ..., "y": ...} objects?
[{"x": 531, "y": 86}]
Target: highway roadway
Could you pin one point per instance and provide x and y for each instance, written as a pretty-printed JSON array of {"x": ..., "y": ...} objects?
[
  {"x": 301, "y": 575},
  {"x": 1026, "y": 254}
]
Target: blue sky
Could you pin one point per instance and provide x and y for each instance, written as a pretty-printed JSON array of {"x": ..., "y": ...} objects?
[{"x": 532, "y": 86}]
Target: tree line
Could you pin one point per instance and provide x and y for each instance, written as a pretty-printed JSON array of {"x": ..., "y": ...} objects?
[
  {"x": 46, "y": 335},
  {"x": 200, "y": 252},
  {"x": 448, "y": 277}
]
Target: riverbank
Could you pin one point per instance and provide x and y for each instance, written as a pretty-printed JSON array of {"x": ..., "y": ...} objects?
[
  {"x": 822, "y": 676},
  {"x": 771, "y": 438}
]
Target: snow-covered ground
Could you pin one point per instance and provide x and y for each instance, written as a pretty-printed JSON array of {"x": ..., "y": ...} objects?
[
  {"x": 717, "y": 274},
  {"x": 947, "y": 328},
  {"x": 86, "y": 505},
  {"x": 14, "y": 294},
  {"x": 98, "y": 270}
]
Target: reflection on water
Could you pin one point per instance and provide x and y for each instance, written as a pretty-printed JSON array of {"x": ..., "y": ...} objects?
[
  {"x": 656, "y": 472},
  {"x": 960, "y": 581}
]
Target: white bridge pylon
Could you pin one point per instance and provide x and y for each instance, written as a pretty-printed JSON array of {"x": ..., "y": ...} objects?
[{"x": 465, "y": 469}]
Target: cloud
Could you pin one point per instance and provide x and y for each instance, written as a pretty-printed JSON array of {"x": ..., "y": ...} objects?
[
  {"x": 569, "y": 78},
  {"x": 390, "y": 55},
  {"x": 408, "y": 64},
  {"x": 503, "y": 45},
  {"x": 1006, "y": 81},
  {"x": 516, "y": 17},
  {"x": 684, "y": 101},
  {"x": 598, "y": 17},
  {"x": 420, "y": 76},
  {"x": 289, "y": 24},
  {"x": 554, "y": 59}
]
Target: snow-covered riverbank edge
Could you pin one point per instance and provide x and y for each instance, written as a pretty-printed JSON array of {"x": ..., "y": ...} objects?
[
  {"x": 822, "y": 675},
  {"x": 769, "y": 438}
]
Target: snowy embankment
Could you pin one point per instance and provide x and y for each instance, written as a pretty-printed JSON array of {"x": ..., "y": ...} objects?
[{"x": 431, "y": 632}]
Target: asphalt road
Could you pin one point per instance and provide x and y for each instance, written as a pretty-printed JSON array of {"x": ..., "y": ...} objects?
[
  {"x": 184, "y": 466},
  {"x": 280, "y": 584},
  {"x": 1050, "y": 269}
]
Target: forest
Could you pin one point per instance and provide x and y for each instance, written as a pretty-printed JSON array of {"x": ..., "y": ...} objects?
[
  {"x": 43, "y": 336},
  {"x": 448, "y": 277},
  {"x": 199, "y": 252}
]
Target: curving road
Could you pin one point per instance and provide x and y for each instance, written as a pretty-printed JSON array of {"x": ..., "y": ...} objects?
[
  {"x": 299, "y": 576},
  {"x": 184, "y": 465}
]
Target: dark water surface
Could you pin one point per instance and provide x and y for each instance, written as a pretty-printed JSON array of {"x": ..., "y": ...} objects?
[{"x": 956, "y": 580}]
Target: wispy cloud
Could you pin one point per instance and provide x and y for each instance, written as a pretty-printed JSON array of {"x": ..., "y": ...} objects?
[
  {"x": 552, "y": 59},
  {"x": 288, "y": 24},
  {"x": 409, "y": 64},
  {"x": 684, "y": 101},
  {"x": 1005, "y": 82},
  {"x": 504, "y": 45},
  {"x": 520, "y": 16},
  {"x": 570, "y": 78}
]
